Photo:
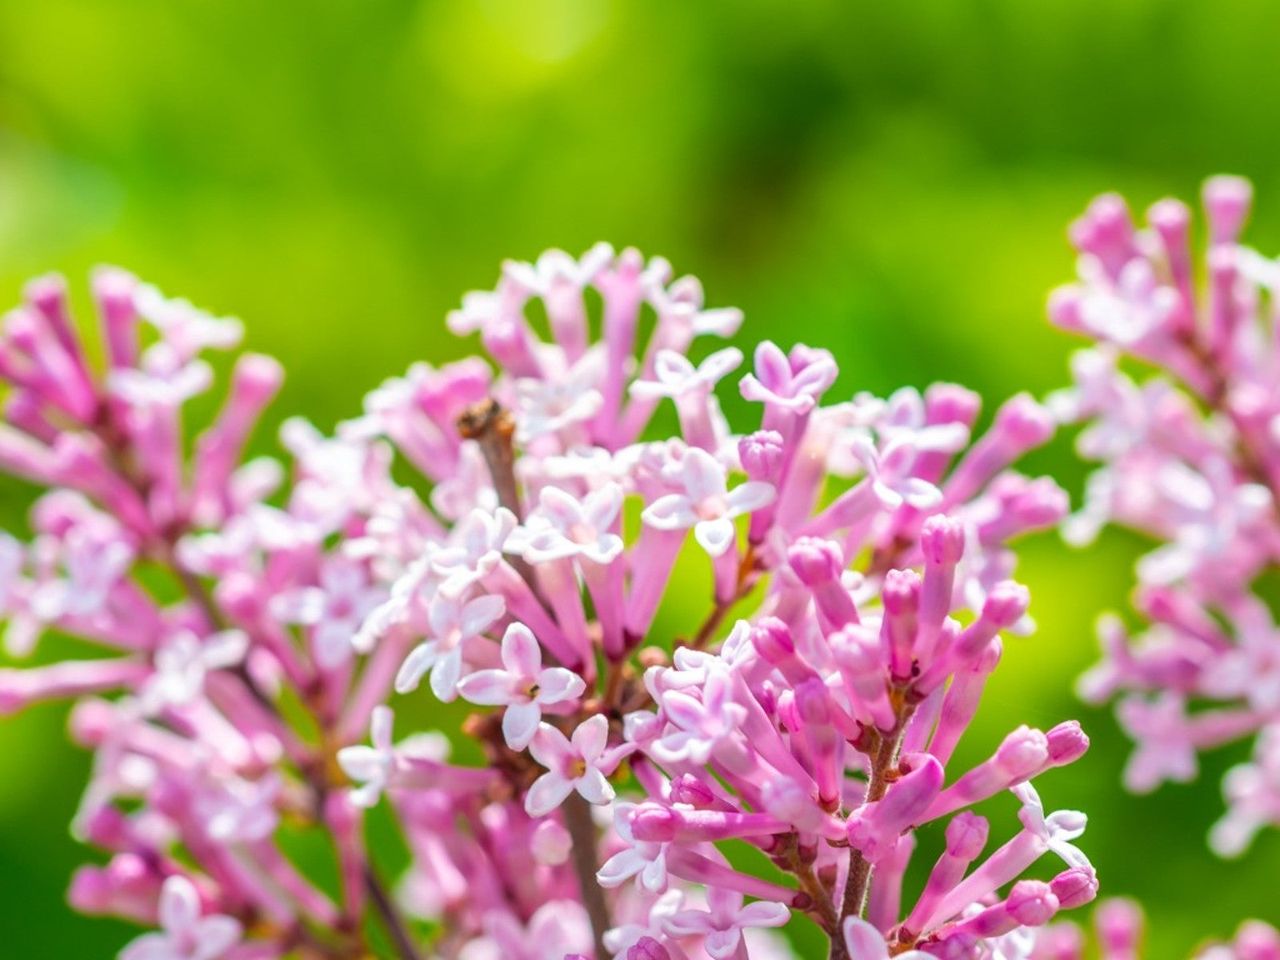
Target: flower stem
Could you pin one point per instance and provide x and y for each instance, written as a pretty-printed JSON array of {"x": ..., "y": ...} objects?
[
  {"x": 883, "y": 762},
  {"x": 493, "y": 428},
  {"x": 390, "y": 915},
  {"x": 577, "y": 818}
]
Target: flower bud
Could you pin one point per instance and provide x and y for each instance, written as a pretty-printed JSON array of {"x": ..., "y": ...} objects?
[
  {"x": 1075, "y": 887},
  {"x": 1067, "y": 743},
  {"x": 762, "y": 454},
  {"x": 647, "y": 948}
]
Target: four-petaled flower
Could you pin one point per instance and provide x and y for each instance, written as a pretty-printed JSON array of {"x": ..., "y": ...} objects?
[
  {"x": 371, "y": 766},
  {"x": 566, "y": 526},
  {"x": 1056, "y": 830},
  {"x": 571, "y": 765},
  {"x": 699, "y": 724},
  {"x": 889, "y": 470},
  {"x": 475, "y": 549},
  {"x": 722, "y": 923},
  {"x": 790, "y": 383},
  {"x": 524, "y": 687},
  {"x": 675, "y": 375},
  {"x": 334, "y": 610},
  {"x": 452, "y": 622},
  {"x": 706, "y": 504},
  {"x": 184, "y": 661},
  {"x": 565, "y": 400},
  {"x": 647, "y": 859}
]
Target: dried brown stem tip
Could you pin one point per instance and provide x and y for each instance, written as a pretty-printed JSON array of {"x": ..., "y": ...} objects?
[{"x": 494, "y": 429}]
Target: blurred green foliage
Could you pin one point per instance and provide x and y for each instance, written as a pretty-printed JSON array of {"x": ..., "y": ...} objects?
[{"x": 888, "y": 180}]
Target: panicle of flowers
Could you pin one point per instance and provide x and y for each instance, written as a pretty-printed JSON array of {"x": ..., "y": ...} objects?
[
  {"x": 217, "y": 604},
  {"x": 1190, "y": 456},
  {"x": 859, "y": 570}
]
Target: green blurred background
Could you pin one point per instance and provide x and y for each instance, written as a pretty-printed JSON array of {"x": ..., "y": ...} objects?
[{"x": 890, "y": 181}]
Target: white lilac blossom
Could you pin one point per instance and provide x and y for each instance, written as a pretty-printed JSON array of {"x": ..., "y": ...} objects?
[
  {"x": 1189, "y": 455},
  {"x": 859, "y": 554}
]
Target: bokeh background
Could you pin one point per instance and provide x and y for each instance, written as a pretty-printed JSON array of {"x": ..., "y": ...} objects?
[{"x": 887, "y": 180}]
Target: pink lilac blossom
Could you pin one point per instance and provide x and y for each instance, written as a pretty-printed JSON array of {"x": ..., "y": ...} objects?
[
  {"x": 813, "y": 712},
  {"x": 858, "y": 559},
  {"x": 1188, "y": 454}
]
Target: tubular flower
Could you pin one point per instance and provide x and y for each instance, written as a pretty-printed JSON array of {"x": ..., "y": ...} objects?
[{"x": 857, "y": 555}]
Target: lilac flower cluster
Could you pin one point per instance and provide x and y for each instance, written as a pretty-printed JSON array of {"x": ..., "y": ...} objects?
[
  {"x": 221, "y": 603},
  {"x": 1190, "y": 456},
  {"x": 647, "y": 793}
]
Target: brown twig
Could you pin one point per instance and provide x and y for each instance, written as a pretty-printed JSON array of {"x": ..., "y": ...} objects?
[
  {"x": 884, "y": 760},
  {"x": 813, "y": 887},
  {"x": 390, "y": 915},
  {"x": 493, "y": 428},
  {"x": 582, "y": 830}
]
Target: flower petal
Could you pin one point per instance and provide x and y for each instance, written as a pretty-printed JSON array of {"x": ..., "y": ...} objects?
[
  {"x": 591, "y": 736},
  {"x": 149, "y": 946},
  {"x": 764, "y": 913},
  {"x": 520, "y": 651},
  {"x": 557, "y": 684},
  {"x": 619, "y": 868},
  {"x": 863, "y": 940},
  {"x": 488, "y": 688},
  {"x": 446, "y": 674},
  {"x": 179, "y": 904},
  {"x": 520, "y": 723},
  {"x": 671, "y": 512},
  {"x": 546, "y": 794},
  {"x": 479, "y": 614},
  {"x": 549, "y": 747},
  {"x": 715, "y": 536},
  {"x": 594, "y": 788},
  {"x": 421, "y": 659}
]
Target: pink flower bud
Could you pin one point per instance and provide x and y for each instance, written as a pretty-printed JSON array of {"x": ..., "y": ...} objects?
[
  {"x": 1226, "y": 203},
  {"x": 942, "y": 540},
  {"x": 1257, "y": 941},
  {"x": 762, "y": 455},
  {"x": 688, "y": 789},
  {"x": 1075, "y": 887},
  {"x": 967, "y": 835},
  {"x": 654, "y": 823},
  {"x": 951, "y": 403},
  {"x": 1006, "y": 604},
  {"x": 647, "y": 948},
  {"x": 874, "y": 827},
  {"x": 1032, "y": 903},
  {"x": 772, "y": 640},
  {"x": 901, "y": 597},
  {"x": 1067, "y": 743},
  {"x": 815, "y": 560},
  {"x": 1023, "y": 422}
]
